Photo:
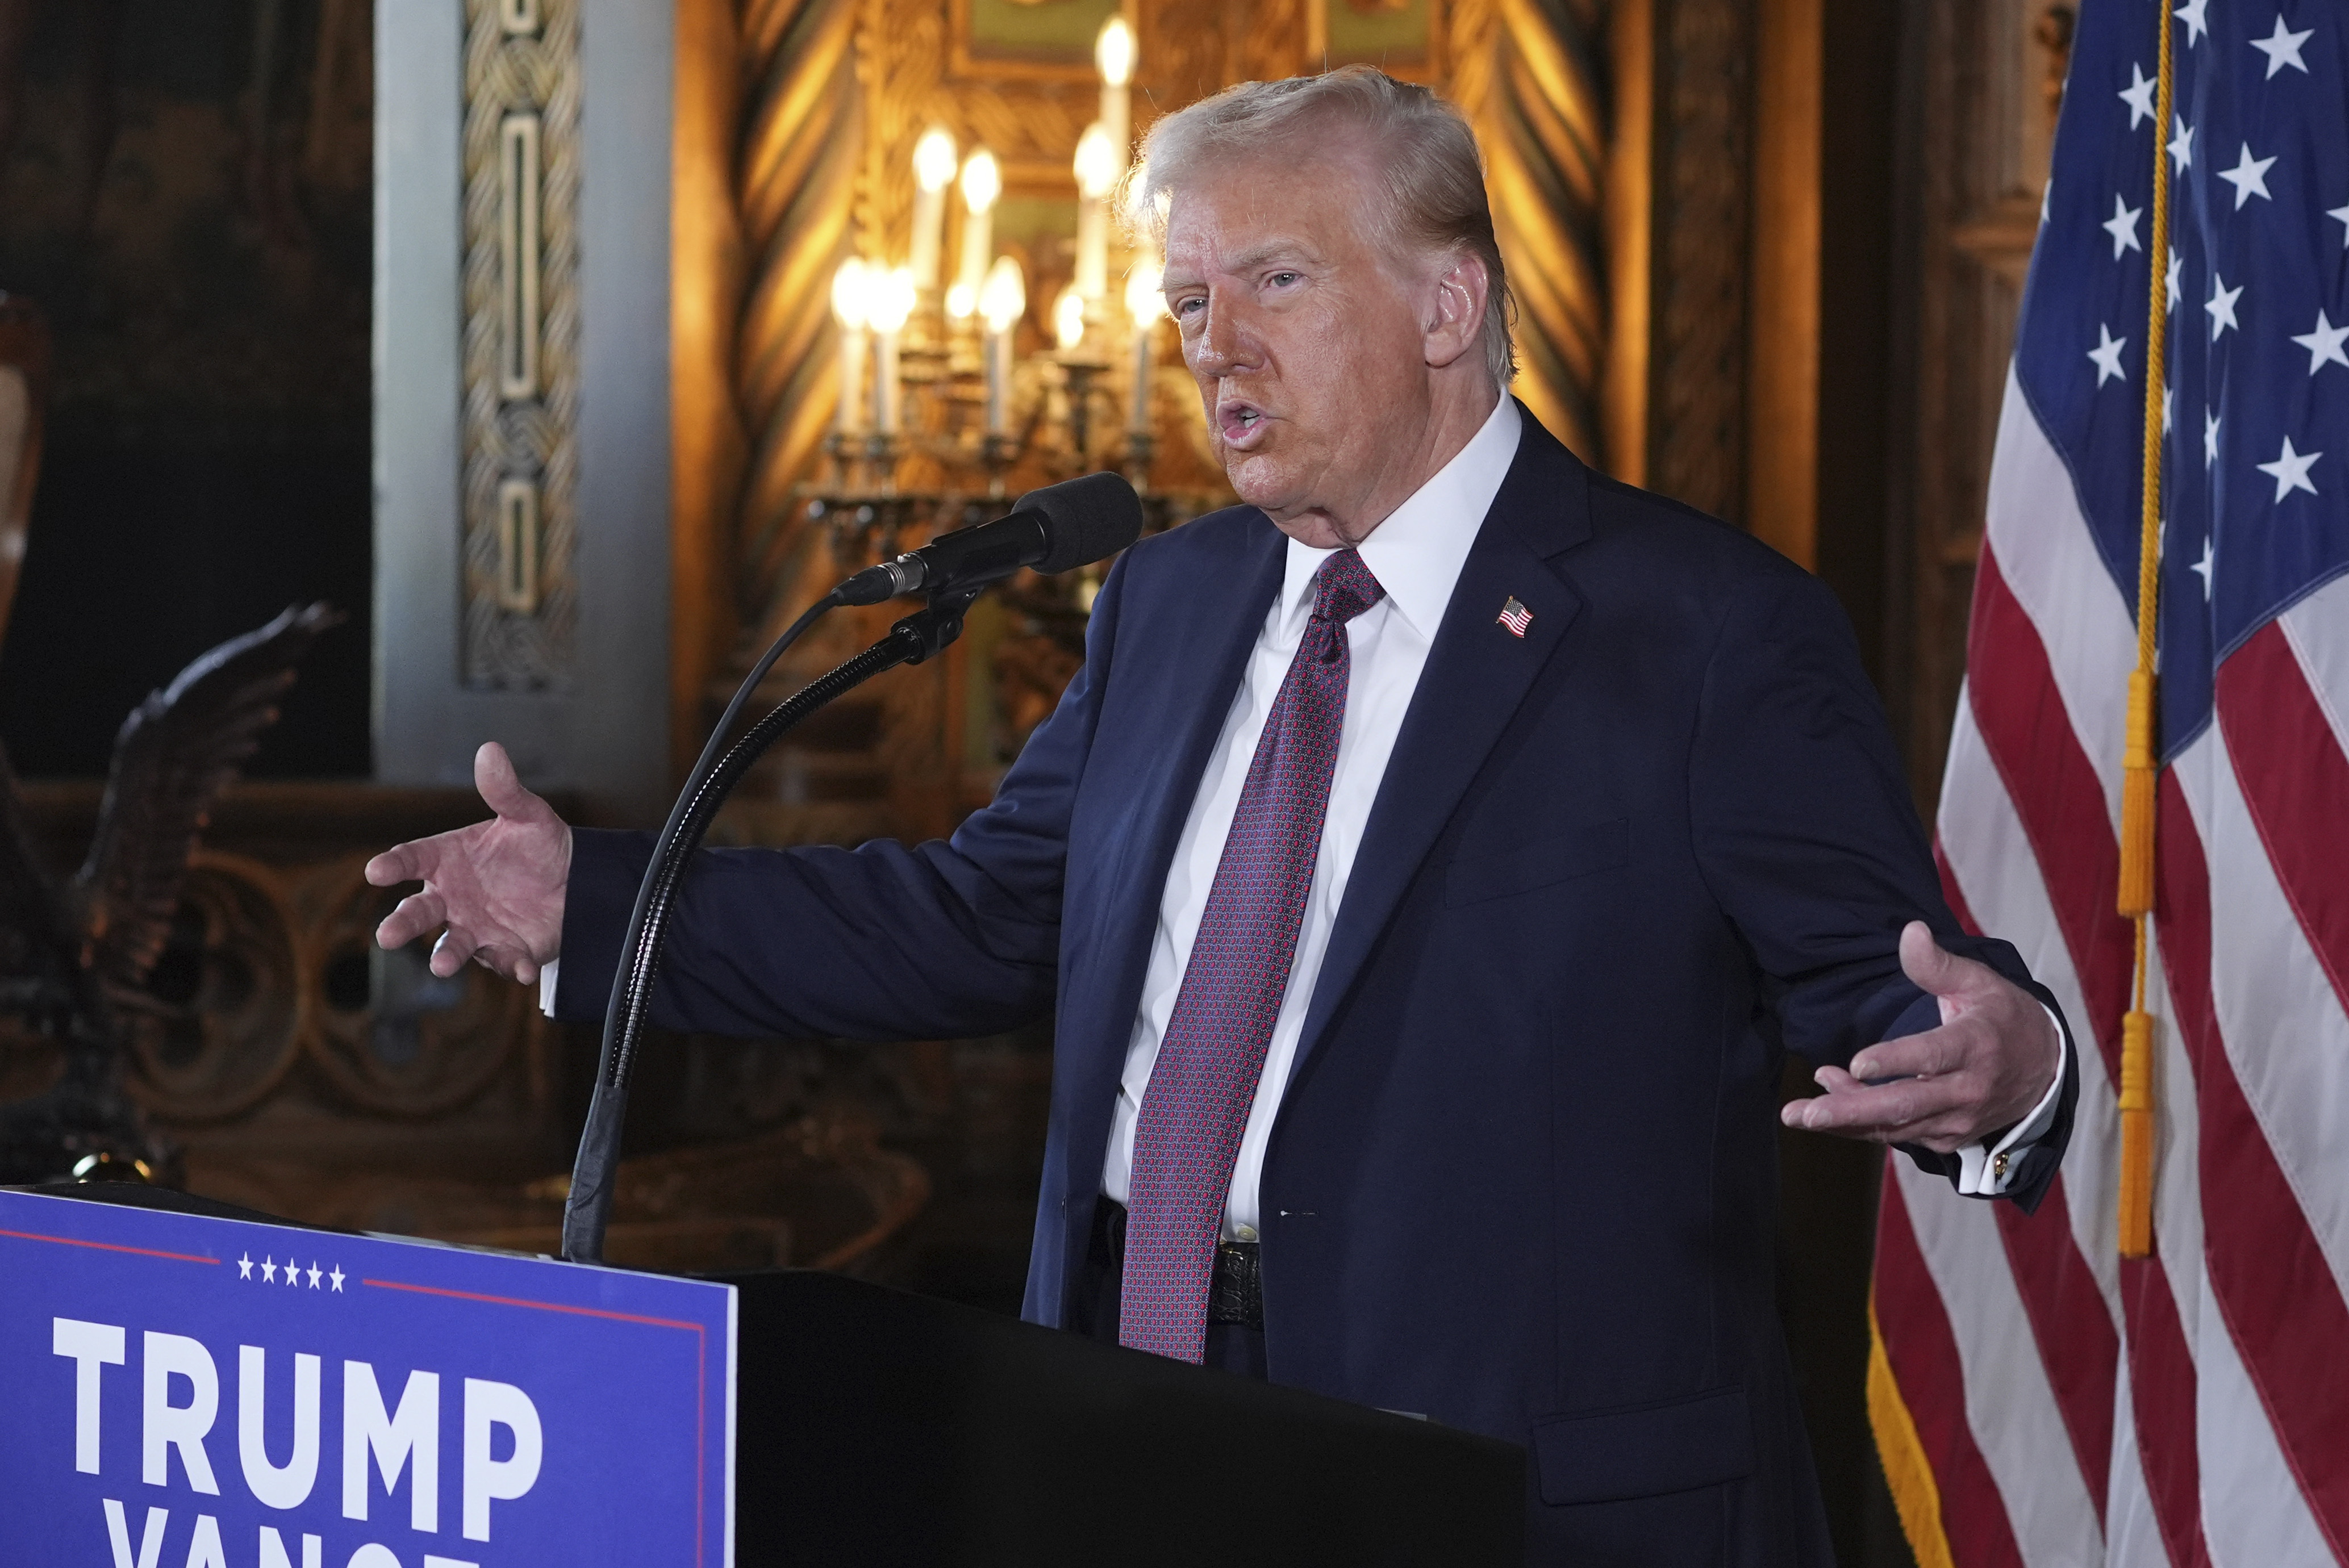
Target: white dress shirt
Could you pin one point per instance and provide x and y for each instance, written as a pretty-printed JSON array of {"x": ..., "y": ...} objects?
[{"x": 1416, "y": 554}]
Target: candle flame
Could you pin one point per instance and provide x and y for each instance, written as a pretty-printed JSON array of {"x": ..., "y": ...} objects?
[
  {"x": 890, "y": 299},
  {"x": 1069, "y": 318},
  {"x": 1114, "y": 52},
  {"x": 933, "y": 159},
  {"x": 1144, "y": 297},
  {"x": 962, "y": 301},
  {"x": 982, "y": 181},
  {"x": 1096, "y": 162},
  {"x": 1003, "y": 297},
  {"x": 852, "y": 295}
]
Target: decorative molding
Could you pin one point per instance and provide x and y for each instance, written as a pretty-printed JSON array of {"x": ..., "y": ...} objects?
[
  {"x": 1527, "y": 72},
  {"x": 1701, "y": 202},
  {"x": 797, "y": 192},
  {"x": 520, "y": 341}
]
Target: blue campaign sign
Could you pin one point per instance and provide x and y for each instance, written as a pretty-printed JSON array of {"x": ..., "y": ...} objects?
[{"x": 185, "y": 1392}]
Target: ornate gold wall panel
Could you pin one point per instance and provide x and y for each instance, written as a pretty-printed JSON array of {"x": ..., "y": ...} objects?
[{"x": 521, "y": 340}]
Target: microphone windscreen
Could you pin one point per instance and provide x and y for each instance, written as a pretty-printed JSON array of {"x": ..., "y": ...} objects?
[{"x": 1085, "y": 519}]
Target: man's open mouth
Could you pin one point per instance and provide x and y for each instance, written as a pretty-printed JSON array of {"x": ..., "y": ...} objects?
[{"x": 1240, "y": 422}]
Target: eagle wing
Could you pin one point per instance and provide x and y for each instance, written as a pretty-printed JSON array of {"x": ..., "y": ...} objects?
[{"x": 171, "y": 759}]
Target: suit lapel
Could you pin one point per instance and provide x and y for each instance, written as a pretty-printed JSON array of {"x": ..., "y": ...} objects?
[{"x": 1477, "y": 674}]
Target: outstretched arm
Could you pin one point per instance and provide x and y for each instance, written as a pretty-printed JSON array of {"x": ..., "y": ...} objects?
[{"x": 494, "y": 890}]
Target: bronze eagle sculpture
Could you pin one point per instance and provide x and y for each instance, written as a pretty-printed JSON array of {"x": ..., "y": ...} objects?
[{"x": 72, "y": 956}]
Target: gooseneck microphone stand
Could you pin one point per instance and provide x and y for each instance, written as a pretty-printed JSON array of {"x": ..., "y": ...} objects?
[{"x": 919, "y": 636}]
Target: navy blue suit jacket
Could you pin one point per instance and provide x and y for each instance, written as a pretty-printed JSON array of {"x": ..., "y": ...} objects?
[{"x": 1523, "y": 1177}]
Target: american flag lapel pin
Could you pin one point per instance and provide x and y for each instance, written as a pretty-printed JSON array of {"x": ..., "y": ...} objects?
[{"x": 1515, "y": 617}]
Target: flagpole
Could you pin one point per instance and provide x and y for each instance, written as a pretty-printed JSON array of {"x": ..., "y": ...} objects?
[{"x": 2140, "y": 762}]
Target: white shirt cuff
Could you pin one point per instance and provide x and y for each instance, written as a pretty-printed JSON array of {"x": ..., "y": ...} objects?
[
  {"x": 1984, "y": 1169},
  {"x": 549, "y": 978}
]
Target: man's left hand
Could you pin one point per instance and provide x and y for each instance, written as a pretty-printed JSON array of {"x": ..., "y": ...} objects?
[{"x": 1984, "y": 1069}]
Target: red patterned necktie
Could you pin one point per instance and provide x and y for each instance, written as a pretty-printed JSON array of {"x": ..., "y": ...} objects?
[{"x": 1204, "y": 1081}]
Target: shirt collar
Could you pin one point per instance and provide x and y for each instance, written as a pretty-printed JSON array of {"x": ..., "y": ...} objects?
[{"x": 1417, "y": 552}]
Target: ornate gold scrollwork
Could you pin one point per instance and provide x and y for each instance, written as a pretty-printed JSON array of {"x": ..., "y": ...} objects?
[
  {"x": 223, "y": 1012},
  {"x": 389, "y": 1034}
]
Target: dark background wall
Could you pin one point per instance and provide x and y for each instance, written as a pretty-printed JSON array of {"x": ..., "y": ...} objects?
[{"x": 185, "y": 192}]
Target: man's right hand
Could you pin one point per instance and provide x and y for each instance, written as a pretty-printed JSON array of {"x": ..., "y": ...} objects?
[{"x": 496, "y": 887}]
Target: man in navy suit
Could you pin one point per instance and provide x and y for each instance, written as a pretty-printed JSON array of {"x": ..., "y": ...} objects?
[{"x": 1428, "y": 871}]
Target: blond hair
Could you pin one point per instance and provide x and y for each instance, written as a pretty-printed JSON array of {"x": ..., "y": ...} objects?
[{"x": 1419, "y": 147}]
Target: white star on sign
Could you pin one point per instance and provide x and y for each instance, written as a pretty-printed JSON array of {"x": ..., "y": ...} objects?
[
  {"x": 2122, "y": 226},
  {"x": 2221, "y": 304},
  {"x": 2341, "y": 213},
  {"x": 2202, "y": 569},
  {"x": 2291, "y": 471},
  {"x": 2324, "y": 344},
  {"x": 293, "y": 1275},
  {"x": 2181, "y": 145},
  {"x": 2191, "y": 13},
  {"x": 2107, "y": 354},
  {"x": 2138, "y": 96},
  {"x": 2283, "y": 48},
  {"x": 2170, "y": 285},
  {"x": 268, "y": 1271},
  {"x": 244, "y": 1266},
  {"x": 2248, "y": 177},
  {"x": 313, "y": 1274},
  {"x": 2209, "y": 437},
  {"x": 338, "y": 1277}
]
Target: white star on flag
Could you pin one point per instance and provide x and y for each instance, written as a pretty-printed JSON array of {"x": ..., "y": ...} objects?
[
  {"x": 2181, "y": 145},
  {"x": 2107, "y": 354},
  {"x": 2202, "y": 569},
  {"x": 2166, "y": 394},
  {"x": 2122, "y": 226},
  {"x": 2196, "y": 24},
  {"x": 2324, "y": 344},
  {"x": 2291, "y": 471},
  {"x": 2138, "y": 96},
  {"x": 2221, "y": 304},
  {"x": 2283, "y": 48},
  {"x": 2169, "y": 284},
  {"x": 2338, "y": 213},
  {"x": 2248, "y": 177},
  {"x": 2209, "y": 437}
]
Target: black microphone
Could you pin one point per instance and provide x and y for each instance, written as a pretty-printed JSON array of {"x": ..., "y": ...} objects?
[{"x": 1062, "y": 526}]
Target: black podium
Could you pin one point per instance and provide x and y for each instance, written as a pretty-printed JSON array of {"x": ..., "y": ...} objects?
[
  {"x": 877, "y": 1427},
  {"x": 872, "y": 1426}
]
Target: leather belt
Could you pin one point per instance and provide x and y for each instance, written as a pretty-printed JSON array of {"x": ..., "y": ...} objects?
[{"x": 1235, "y": 1285}]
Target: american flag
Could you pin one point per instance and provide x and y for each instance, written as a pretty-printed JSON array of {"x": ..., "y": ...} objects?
[
  {"x": 2037, "y": 1398},
  {"x": 1515, "y": 617}
]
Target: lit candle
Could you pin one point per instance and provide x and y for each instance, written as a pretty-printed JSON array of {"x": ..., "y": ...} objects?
[
  {"x": 1002, "y": 301},
  {"x": 1069, "y": 319},
  {"x": 934, "y": 170},
  {"x": 1113, "y": 55},
  {"x": 1098, "y": 166},
  {"x": 850, "y": 309},
  {"x": 890, "y": 302},
  {"x": 1144, "y": 301},
  {"x": 982, "y": 183}
]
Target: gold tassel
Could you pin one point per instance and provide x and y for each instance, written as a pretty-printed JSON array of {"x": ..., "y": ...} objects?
[
  {"x": 1908, "y": 1473},
  {"x": 2137, "y": 800},
  {"x": 2136, "y": 1135}
]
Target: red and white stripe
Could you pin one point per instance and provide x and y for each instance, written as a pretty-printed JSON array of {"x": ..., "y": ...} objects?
[{"x": 2191, "y": 1407}]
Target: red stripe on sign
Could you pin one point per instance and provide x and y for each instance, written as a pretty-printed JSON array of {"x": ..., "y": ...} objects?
[
  {"x": 1923, "y": 1354},
  {"x": 2296, "y": 783},
  {"x": 2073, "y": 1326},
  {"x": 2056, "y": 794},
  {"x": 2161, "y": 1394},
  {"x": 2274, "y": 1290},
  {"x": 2069, "y": 1319}
]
